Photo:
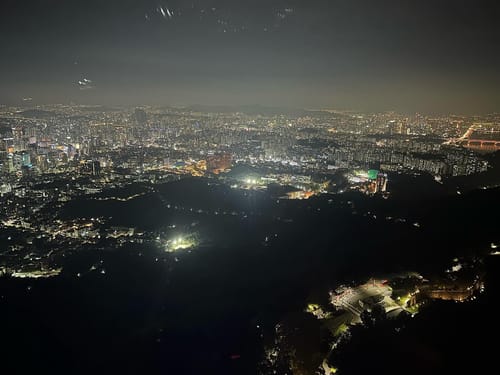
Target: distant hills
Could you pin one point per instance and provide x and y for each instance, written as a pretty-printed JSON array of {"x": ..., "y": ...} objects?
[
  {"x": 257, "y": 110},
  {"x": 37, "y": 113}
]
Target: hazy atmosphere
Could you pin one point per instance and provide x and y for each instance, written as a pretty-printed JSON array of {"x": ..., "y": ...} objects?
[
  {"x": 268, "y": 187},
  {"x": 435, "y": 56}
]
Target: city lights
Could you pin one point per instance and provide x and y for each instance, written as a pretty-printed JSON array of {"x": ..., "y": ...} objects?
[
  {"x": 249, "y": 187},
  {"x": 181, "y": 243}
]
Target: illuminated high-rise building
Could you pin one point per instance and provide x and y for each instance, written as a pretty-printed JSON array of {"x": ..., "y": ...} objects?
[
  {"x": 18, "y": 135},
  {"x": 95, "y": 168},
  {"x": 381, "y": 183},
  {"x": 26, "y": 159},
  {"x": 9, "y": 164},
  {"x": 41, "y": 162}
]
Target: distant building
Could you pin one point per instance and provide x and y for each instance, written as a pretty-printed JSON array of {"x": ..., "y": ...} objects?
[
  {"x": 18, "y": 135},
  {"x": 95, "y": 168},
  {"x": 25, "y": 159},
  {"x": 398, "y": 127},
  {"x": 9, "y": 164},
  {"x": 5, "y": 189},
  {"x": 381, "y": 183},
  {"x": 219, "y": 163},
  {"x": 92, "y": 167},
  {"x": 42, "y": 163},
  {"x": 372, "y": 174},
  {"x": 140, "y": 116}
]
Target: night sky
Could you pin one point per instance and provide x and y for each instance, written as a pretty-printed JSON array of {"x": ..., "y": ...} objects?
[{"x": 406, "y": 55}]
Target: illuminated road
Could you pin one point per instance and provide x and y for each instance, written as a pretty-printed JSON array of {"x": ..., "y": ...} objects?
[
  {"x": 486, "y": 144},
  {"x": 468, "y": 133}
]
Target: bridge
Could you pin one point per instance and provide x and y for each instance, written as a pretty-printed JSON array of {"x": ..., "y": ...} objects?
[
  {"x": 481, "y": 144},
  {"x": 488, "y": 140}
]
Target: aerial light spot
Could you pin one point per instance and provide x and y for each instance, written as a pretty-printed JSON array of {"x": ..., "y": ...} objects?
[
  {"x": 162, "y": 11},
  {"x": 85, "y": 84}
]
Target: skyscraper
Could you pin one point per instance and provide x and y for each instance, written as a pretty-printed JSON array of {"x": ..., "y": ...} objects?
[{"x": 381, "y": 182}]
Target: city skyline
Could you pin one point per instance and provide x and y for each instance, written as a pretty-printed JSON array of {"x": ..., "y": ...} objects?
[
  {"x": 267, "y": 187},
  {"x": 324, "y": 228}
]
